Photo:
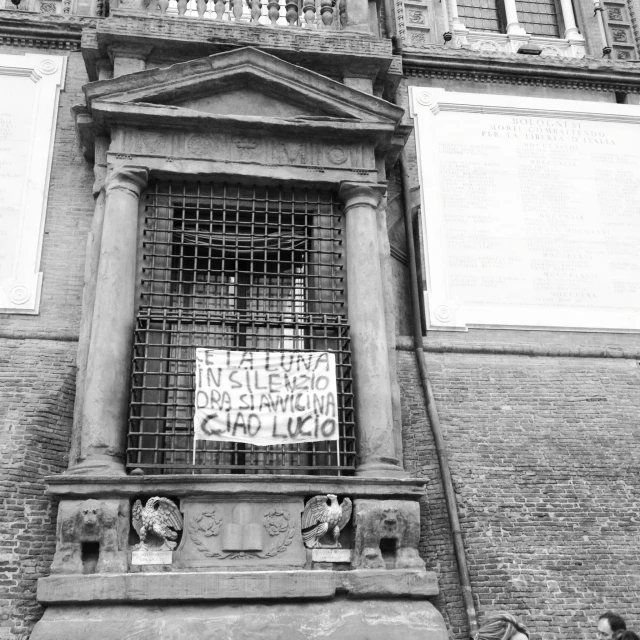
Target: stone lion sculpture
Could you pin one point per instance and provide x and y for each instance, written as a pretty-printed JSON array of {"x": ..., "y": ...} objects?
[
  {"x": 387, "y": 533},
  {"x": 91, "y": 537}
]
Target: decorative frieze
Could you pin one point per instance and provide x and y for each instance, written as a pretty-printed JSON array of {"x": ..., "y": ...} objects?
[
  {"x": 243, "y": 149},
  {"x": 236, "y": 534}
]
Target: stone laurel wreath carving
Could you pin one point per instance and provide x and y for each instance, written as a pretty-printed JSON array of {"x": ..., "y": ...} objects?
[
  {"x": 277, "y": 522},
  {"x": 619, "y": 35},
  {"x": 209, "y": 523}
]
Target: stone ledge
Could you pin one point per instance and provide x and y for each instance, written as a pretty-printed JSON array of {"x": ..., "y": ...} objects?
[
  {"x": 314, "y": 620},
  {"x": 80, "y": 487},
  {"x": 578, "y": 71},
  {"x": 236, "y": 585}
]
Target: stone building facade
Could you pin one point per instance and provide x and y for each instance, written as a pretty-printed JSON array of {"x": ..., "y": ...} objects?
[{"x": 239, "y": 176}]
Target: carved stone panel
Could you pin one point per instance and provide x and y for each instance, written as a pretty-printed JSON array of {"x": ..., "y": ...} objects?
[
  {"x": 244, "y": 149},
  {"x": 619, "y": 23},
  {"x": 91, "y": 536},
  {"x": 387, "y": 533},
  {"x": 255, "y": 533}
]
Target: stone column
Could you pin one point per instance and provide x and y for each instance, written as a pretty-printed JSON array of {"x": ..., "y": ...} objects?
[
  {"x": 106, "y": 399},
  {"x": 386, "y": 271},
  {"x": 365, "y": 297},
  {"x": 570, "y": 28},
  {"x": 513, "y": 26},
  {"x": 92, "y": 257},
  {"x": 453, "y": 23}
]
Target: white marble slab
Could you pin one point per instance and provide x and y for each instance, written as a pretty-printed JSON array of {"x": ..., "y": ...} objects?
[
  {"x": 29, "y": 85},
  {"x": 331, "y": 555},
  {"x": 531, "y": 211},
  {"x": 148, "y": 555}
]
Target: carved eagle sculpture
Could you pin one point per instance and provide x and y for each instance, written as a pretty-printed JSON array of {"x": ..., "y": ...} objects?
[
  {"x": 159, "y": 517},
  {"x": 322, "y": 514}
]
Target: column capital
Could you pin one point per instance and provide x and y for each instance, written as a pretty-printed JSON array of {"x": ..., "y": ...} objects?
[
  {"x": 353, "y": 194},
  {"x": 128, "y": 178}
]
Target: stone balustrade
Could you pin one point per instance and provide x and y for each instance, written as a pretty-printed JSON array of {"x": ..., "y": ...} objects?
[{"x": 307, "y": 14}]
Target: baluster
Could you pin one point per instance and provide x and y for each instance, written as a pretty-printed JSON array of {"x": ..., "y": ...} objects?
[
  {"x": 219, "y": 7},
  {"x": 292, "y": 12},
  {"x": 162, "y": 5},
  {"x": 326, "y": 12},
  {"x": 256, "y": 10},
  {"x": 236, "y": 9},
  {"x": 182, "y": 7},
  {"x": 202, "y": 7},
  {"x": 273, "y": 11},
  {"x": 309, "y": 10}
]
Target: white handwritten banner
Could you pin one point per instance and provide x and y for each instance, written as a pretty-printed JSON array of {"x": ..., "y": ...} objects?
[{"x": 265, "y": 397}]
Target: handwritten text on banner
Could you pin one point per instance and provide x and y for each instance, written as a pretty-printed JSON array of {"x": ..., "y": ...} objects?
[{"x": 265, "y": 397}]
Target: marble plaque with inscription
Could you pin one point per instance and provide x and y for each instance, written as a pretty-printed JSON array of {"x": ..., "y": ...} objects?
[
  {"x": 331, "y": 555},
  {"x": 151, "y": 555},
  {"x": 530, "y": 210},
  {"x": 30, "y": 85}
]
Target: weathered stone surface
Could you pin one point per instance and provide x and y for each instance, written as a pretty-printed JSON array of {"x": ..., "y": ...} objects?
[
  {"x": 235, "y": 585},
  {"x": 236, "y": 486},
  {"x": 387, "y": 533},
  {"x": 102, "y": 524},
  {"x": 258, "y": 533},
  {"x": 338, "y": 620}
]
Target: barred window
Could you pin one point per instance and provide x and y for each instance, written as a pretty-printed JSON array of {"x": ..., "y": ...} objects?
[{"x": 237, "y": 267}]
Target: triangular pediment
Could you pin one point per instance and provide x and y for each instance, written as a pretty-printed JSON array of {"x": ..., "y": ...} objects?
[{"x": 244, "y": 83}]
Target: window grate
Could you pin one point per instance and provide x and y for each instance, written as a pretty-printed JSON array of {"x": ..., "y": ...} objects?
[{"x": 234, "y": 267}]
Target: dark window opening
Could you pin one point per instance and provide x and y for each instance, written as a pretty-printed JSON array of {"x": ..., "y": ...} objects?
[
  {"x": 90, "y": 556},
  {"x": 388, "y": 549},
  {"x": 236, "y": 267}
]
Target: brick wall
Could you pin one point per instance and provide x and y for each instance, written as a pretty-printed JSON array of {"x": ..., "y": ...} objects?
[
  {"x": 37, "y": 372},
  {"x": 36, "y": 409},
  {"x": 544, "y": 453}
]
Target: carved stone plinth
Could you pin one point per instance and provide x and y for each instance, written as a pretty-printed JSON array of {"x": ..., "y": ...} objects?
[
  {"x": 218, "y": 586},
  {"x": 231, "y": 533},
  {"x": 329, "y": 620},
  {"x": 92, "y": 536},
  {"x": 387, "y": 533}
]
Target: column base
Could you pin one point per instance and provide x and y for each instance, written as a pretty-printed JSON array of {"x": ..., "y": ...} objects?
[
  {"x": 388, "y": 468},
  {"x": 98, "y": 466}
]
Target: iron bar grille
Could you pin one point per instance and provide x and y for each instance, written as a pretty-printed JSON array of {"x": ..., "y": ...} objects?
[{"x": 235, "y": 267}]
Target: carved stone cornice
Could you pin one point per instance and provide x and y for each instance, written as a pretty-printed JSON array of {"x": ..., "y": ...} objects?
[
  {"x": 70, "y": 487},
  {"x": 43, "y": 31},
  {"x": 580, "y": 74}
]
